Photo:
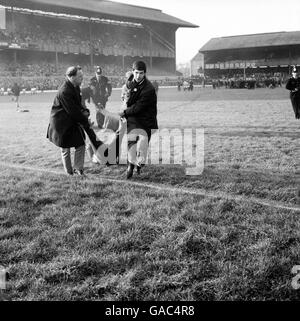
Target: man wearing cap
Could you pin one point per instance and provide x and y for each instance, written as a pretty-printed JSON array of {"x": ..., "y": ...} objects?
[
  {"x": 101, "y": 90},
  {"x": 293, "y": 85},
  {"x": 68, "y": 123},
  {"x": 141, "y": 115}
]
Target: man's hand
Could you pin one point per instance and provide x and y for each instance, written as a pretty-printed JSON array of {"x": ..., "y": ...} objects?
[{"x": 86, "y": 113}]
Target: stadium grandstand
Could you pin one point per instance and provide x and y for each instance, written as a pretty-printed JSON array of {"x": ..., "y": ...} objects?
[
  {"x": 39, "y": 38},
  {"x": 262, "y": 59}
]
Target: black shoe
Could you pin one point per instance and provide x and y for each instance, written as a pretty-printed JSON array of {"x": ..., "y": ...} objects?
[
  {"x": 130, "y": 169},
  {"x": 79, "y": 172}
]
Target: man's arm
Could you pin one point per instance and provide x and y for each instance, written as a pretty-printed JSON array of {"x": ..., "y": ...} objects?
[
  {"x": 289, "y": 84},
  {"x": 72, "y": 107}
]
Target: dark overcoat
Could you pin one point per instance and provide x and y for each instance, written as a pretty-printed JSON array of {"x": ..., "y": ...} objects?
[
  {"x": 141, "y": 111},
  {"x": 101, "y": 89},
  {"x": 16, "y": 89},
  {"x": 293, "y": 85},
  {"x": 66, "y": 117}
]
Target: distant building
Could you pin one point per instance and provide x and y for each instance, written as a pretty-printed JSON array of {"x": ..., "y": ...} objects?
[
  {"x": 184, "y": 69},
  {"x": 197, "y": 65},
  {"x": 249, "y": 54}
]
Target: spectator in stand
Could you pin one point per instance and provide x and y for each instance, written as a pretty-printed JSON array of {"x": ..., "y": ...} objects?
[
  {"x": 293, "y": 85},
  {"x": 101, "y": 90}
]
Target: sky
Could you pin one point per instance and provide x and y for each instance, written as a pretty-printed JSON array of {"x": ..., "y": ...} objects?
[{"x": 219, "y": 18}]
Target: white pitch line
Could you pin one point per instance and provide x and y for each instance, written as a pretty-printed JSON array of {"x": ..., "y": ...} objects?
[{"x": 164, "y": 188}]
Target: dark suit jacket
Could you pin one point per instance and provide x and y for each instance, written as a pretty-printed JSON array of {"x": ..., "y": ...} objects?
[
  {"x": 291, "y": 85},
  {"x": 65, "y": 117},
  {"x": 16, "y": 89},
  {"x": 142, "y": 107},
  {"x": 101, "y": 89}
]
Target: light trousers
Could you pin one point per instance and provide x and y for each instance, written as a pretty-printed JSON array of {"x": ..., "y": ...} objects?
[
  {"x": 137, "y": 149},
  {"x": 78, "y": 159}
]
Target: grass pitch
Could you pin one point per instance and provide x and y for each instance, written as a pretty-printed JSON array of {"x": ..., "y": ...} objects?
[{"x": 231, "y": 233}]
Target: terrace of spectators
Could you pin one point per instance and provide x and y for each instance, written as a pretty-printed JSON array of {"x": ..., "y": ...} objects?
[
  {"x": 43, "y": 37},
  {"x": 60, "y": 35}
]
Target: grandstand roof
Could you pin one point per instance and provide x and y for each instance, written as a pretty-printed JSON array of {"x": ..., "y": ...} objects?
[
  {"x": 252, "y": 41},
  {"x": 98, "y": 8}
]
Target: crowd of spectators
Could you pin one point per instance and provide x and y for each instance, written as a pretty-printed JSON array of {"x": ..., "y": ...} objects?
[
  {"x": 41, "y": 80},
  {"x": 44, "y": 75},
  {"x": 256, "y": 80},
  {"x": 3, "y": 36},
  {"x": 47, "y": 69},
  {"x": 48, "y": 76},
  {"x": 67, "y": 36}
]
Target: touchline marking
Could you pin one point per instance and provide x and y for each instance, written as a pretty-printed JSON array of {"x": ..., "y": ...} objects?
[{"x": 163, "y": 188}]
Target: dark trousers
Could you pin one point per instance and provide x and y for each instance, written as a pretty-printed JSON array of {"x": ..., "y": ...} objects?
[
  {"x": 99, "y": 116},
  {"x": 295, "y": 99},
  {"x": 92, "y": 136}
]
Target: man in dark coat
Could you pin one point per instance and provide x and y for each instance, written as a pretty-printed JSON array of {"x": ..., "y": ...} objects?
[
  {"x": 68, "y": 122},
  {"x": 16, "y": 89},
  {"x": 141, "y": 115},
  {"x": 293, "y": 85},
  {"x": 101, "y": 90}
]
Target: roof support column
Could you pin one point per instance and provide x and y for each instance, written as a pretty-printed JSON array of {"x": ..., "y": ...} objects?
[
  {"x": 91, "y": 45},
  {"x": 13, "y": 26},
  {"x": 150, "y": 41},
  {"x": 175, "y": 55},
  {"x": 290, "y": 60},
  {"x": 56, "y": 60},
  {"x": 15, "y": 57}
]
